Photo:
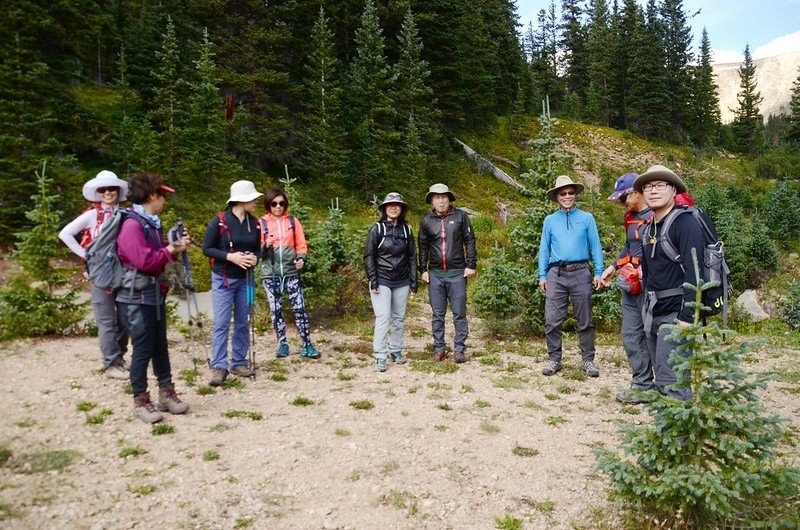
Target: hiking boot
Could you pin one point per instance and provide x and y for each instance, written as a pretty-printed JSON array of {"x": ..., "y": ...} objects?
[
  {"x": 169, "y": 401},
  {"x": 218, "y": 376},
  {"x": 634, "y": 396},
  {"x": 591, "y": 369},
  {"x": 309, "y": 351},
  {"x": 380, "y": 365},
  {"x": 398, "y": 357},
  {"x": 117, "y": 371},
  {"x": 283, "y": 350},
  {"x": 440, "y": 355},
  {"x": 144, "y": 410},
  {"x": 242, "y": 371},
  {"x": 460, "y": 357},
  {"x": 551, "y": 368}
]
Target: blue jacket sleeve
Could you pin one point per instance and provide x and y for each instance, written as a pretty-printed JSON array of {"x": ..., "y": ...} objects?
[
  {"x": 544, "y": 249},
  {"x": 596, "y": 247}
]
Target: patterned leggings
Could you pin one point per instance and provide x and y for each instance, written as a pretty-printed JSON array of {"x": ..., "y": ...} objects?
[{"x": 291, "y": 285}]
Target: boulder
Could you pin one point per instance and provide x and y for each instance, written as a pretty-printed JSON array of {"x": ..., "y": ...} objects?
[{"x": 748, "y": 302}]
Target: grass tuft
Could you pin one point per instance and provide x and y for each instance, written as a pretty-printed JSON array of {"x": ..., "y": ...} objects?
[
  {"x": 430, "y": 366},
  {"x": 211, "y": 455},
  {"x": 507, "y": 522},
  {"x": 160, "y": 429},
  {"x": 85, "y": 406},
  {"x": 302, "y": 401},
  {"x": 362, "y": 404},
  {"x": 519, "y": 450},
  {"x": 255, "y": 416},
  {"x": 131, "y": 451}
]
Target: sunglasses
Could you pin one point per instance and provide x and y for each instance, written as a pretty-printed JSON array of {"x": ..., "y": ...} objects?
[
  {"x": 109, "y": 188},
  {"x": 278, "y": 204},
  {"x": 566, "y": 193}
]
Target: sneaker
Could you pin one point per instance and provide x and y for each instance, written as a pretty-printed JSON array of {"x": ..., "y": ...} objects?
[
  {"x": 398, "y": 357},
  {"x": 117, "y": 371},
  {"x": 440, "y": 355},
  {"x": 218, "y": 376},
  {"x": 242, "y": 371},
  {"x": 309, "y": 351},
  {"x": 169, "y": 401},
  {"x": 144, "y": 410},
  {"x": 551, "y": 368},
  {"x": 283, "y": 350},
  {"x": 380, "y": 365},
  {"x": 460, "y": 357},
  {"x": 634, "y": 396},
  {"x": 591, "y": 369}
]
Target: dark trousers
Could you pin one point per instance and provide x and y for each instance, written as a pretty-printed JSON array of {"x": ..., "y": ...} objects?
[
  {"x": 563, "y": 286},
  {"x": 149, "y": 338},
  {"x": 440, "y": 292},
  {"x": 660, "y": 351},
  {"x": 634, "y": 341}
]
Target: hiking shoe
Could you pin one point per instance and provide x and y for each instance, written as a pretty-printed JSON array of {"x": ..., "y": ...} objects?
[
  {"x": 591, "y": 369},
  {"x": 460, "y": 357},
  {"x": 634, "y": 396},
  {"x": 144, "y": 410},
  {"x": 309, "y": 351},
  {"x": 218, "y": 376},
  {"x": 551, "y": 368},
  {"x": 380, "y": 365},
  {"x": 117, "y": 371},
  {"x": 283, "y": 350},
  {"x": 440, "y": 355},
  {"x": 398, "y": 357},
  {"x": 242, "y": 371},
  {"x": 169, "y": 401}
]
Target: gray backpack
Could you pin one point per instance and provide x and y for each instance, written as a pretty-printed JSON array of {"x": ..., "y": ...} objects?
[{"x": 102, "y": 262}]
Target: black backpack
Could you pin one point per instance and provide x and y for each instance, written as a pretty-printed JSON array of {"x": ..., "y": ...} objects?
[{"x": 712, "y": 262}]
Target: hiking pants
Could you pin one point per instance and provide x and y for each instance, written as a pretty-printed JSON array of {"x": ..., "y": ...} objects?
[
  {"x": 562, "y": 286},
  {"x": 149, "y": 339},
  {"x": 294, "y": 290},
  {"x": 440, "y": 292},
  {"x": 112, "y": 332},
  {"x": 225, "y": 300},
  {"x": 660, "y": 351},
  {"x": 635, "y": 343},
  {"x": 389, "y": 306}
]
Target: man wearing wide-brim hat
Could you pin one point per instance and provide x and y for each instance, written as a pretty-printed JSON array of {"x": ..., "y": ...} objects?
[
  {"x": 569, "y": 237},
  {"x": 666, "y": 297},
  {"x": 447, "y": 257}
]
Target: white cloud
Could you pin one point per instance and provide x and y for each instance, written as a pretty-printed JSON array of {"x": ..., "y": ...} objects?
[
  {"x": 719, "y": 56},
  {"x": 786, "y": 43}
]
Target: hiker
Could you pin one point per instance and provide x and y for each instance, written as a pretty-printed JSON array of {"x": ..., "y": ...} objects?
[
  {"x": 232, "y": 242},
  {"x": 285, "y": 249},
  {"x": 447, "y": 259},
  {"x": 144, "y": 253},
  {"x": 628, "y": 264},
  {"x": 569, "y": 237},
  {"x": 665, "y": 297},
  {"x": 105, "y": 192},
  {"x": 390, "y": 261}
]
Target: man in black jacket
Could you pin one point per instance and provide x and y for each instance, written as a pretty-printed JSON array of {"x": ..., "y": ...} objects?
[{"x": 447, "y": 257}]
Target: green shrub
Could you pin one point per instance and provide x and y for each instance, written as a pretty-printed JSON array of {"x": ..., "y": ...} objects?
[{"x": 790, "y": 307}]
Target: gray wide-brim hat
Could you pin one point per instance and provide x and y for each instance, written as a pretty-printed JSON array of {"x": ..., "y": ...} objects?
[
  {"x": 439, "y": 188},
  {"x": 562, "y": 181},
  {"x": 105, "y": 179},
  {"x": 659, "y": 172},
  {"x": 393, "y": 198}
]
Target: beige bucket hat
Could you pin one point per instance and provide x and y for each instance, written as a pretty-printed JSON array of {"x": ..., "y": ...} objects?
[
  {"x": 562, "y": 181},
  {"x": 659, "y": 172},
  {"x": 439, "y": 188}
]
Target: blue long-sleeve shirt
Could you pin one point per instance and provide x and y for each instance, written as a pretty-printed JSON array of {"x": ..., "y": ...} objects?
[{"x": 569, "y": 237}]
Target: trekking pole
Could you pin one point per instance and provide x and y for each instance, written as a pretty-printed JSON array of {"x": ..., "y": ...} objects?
[{"x": 250, "y": 291}]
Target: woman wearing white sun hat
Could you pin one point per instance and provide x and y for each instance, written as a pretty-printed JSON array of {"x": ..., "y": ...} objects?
[
  {"x": 105, "y": 192},
  {"x": 232, "y": 242}
]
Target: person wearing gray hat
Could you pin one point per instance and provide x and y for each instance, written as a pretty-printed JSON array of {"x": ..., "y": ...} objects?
[
  {"x": 447, "y": 258},
  {"x": 665, "y": 297},
  {"x": 390, "y": 261},
  {"x": 232, "y": 242},
  {"x": 105, "y": 192},
  {"x": 568, "y": 236}
]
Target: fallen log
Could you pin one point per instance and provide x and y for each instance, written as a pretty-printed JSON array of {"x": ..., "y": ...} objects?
[
  {"x": 506, "y": 161},
  {"x": 484, "y": 166}
]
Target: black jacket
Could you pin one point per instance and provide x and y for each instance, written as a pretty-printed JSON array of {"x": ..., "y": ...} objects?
[
  {"x": 390, "y": 254},
  {"x": 456, "y": 250},
  {"x": 236, "y": 236}
]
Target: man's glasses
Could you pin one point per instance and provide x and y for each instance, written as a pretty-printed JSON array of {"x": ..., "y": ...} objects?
[
  {"x": 276, "y": 204},
  {"x": 566, "y": 193},
  {"x": 658, "y": 186},
  {"x": 109, "y": 188}
]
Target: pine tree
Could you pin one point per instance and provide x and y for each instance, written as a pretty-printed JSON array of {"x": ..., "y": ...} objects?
[
  {"x": 630, "y": 24},
  {"x": 544, "y": 165},
  {"x": 601, "y": 42},
  {"x": 748, "y": 125},
  {"x": 793, "y": 135},
  {"x": 678, "y": 42},
  {"x": 501, "y": 22},
  {"x": 573, "y": 44},
  {"x": 705, "y": 115},
  {"x": 543, "y": 58},
  {"x": 169, "y": 92}
]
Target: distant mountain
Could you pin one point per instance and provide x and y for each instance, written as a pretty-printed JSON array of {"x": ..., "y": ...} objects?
[{"x": 774, "y": 78}]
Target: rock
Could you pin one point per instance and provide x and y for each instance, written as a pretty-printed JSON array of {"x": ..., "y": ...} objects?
[{"x": 748, "y": 302}]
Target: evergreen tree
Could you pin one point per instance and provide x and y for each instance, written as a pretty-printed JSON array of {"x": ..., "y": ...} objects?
[
  {"x": 601, "y": 42},
  {"x": 705, "y": 115},
  {"x": 748, "y": 125},
  {"x": 630, "y": 24},
  {"x": 793, "y": 134},
  {"x": 478, "y": 71},
  {"x": 501, "y": 22},
  {"x": 545, "y": 164},
  {"x": 543, "y": 58},
  {"x": 573, "y": 45},
  {"x": 169, "y": 92},
  {"x": 678, "y": 42}
]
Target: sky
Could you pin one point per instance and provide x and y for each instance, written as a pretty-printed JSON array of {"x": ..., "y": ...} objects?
[{"x": 770, "y": 27}]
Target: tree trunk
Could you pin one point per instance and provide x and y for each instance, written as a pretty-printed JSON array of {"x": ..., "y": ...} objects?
[{"x": 484, "y": 166}]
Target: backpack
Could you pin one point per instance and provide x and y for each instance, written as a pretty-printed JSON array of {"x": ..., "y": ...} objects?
[
  {"x": 382, "y": 230},
  {"x": 713, "y": 265},
  {"x": 102, "y": 262}
]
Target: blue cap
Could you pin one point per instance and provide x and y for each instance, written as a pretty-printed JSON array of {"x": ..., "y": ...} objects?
[{"x": 624, "y": 186}]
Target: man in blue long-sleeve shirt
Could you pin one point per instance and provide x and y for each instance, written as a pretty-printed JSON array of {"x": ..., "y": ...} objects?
[{"x": 569, "y": 235}]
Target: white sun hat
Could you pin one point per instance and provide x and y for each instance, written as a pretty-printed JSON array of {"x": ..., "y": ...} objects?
[
  {"x": 243, "y": 191},
  {"x": 105, "y": 179}
]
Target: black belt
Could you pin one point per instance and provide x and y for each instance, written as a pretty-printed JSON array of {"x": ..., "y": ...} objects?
[{"x": 571, "y": 266}]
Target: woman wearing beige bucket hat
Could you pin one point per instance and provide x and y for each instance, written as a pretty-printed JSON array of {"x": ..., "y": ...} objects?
[
  {"x": 105, "y": 192},
  {"x": 232, "y": 242}
]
